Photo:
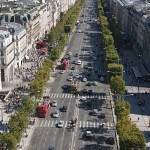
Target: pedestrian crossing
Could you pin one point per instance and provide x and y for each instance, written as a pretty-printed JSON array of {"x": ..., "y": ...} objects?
[
  {"x": 80, "y": 124},
  {"x": 76, "y": 70},
  {"x": 69, "y": 95}
]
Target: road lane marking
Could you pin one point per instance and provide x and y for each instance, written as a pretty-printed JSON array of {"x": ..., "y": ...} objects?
[
  {"x": 41, "y": 123},
  {"x": 52, "y": 123},
  {"x": 97, "y": 124},
  {"x": 66, "y": 124},
  {"x": 45, "y": 123},
  {"x": 91, "y": 125},
  {"x": 54, "y": 95},
  {"x": 94, "y": 124},
  {"x": 48, "y": 123},
  {"x": 51, "y": 95},
  {"x": 57, "y": 95},
  {"x": 63, "y": 95}
]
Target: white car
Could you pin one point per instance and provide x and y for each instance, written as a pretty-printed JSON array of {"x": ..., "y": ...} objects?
[
  {"x": 83, "y": 98},
  {"x": 79, "y": 31},
  {"x": 62, "y": 71},
  {"x": 102, "y": 79},
  {"x": 54, "y": 103},
  {"x": 56, "y": 114},
  {"x": 84, "y": 79},
  {"x": 70, "y": 79},
  {"x": 95, "y": 83},
  {"x": 60, "y": 124},
  {"x": 69, "y": 53},
  {"x": 77, "y": 76},
  {"x": 79, "y": 62}
]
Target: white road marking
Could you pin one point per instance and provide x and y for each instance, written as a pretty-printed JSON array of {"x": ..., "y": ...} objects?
[
  {"x": 41, "y": 123},
  {"x": 48, "y": 123},
  {"x": 63, "y": 95},
  {"x": 54, "y": 95},
  {"x": 45, "y": 123},
  {"x": 80, "y": 125}
]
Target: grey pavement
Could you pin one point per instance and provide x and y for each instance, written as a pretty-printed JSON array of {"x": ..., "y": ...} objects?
[{"x": 132, "y": 86}]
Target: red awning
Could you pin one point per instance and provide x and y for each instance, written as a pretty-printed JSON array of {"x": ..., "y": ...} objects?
[{"x": 44, "y": 49}]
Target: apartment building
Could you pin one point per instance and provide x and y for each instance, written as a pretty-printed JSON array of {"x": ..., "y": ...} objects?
[
  {"x": 7, "y": 47},
  {"x": 139, "y": 30},
  {"x": 122, "y": 13}
]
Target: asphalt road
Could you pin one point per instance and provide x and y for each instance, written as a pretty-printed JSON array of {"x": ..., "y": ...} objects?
[{"x": 87, "y": 45}]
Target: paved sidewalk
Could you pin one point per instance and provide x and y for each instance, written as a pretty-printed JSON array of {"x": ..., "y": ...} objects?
[{"x": 132, "y": 86}]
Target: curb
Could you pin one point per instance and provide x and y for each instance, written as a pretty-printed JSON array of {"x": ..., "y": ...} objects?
[{"x": 114, "y": 119}]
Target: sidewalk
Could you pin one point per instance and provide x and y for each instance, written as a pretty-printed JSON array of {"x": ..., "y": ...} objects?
[{"x": 142, "y": 112}]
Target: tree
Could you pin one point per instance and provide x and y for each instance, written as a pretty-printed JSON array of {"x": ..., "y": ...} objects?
[
  {"x": 122, "y": 109},
  {"x": 117, "y": 85},
  {"x": 8, "y": 140},
  {"x": 115, "y": 69}
]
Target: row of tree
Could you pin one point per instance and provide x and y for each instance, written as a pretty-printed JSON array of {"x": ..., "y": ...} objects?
[
  {"x": 65, "y": 25},
  {"x": 42, "y": 75},
  {"x": 129, "y": 135},
  {"x": 17, "y": 125},
  {"x": 68, "y": 18},
  {"x": 19, "y": 122}
]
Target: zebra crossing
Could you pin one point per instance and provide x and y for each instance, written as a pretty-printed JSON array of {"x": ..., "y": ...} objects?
[
  {"x": 69, "y": 95},
  {"x": 80, "y": 124},
  {"x": 76, "y": 70}
]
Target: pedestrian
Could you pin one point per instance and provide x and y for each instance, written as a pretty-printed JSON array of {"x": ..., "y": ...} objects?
[{"x": 138, "y": 118}]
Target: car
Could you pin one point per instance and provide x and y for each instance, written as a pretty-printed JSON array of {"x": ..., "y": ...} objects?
[
  {"x": 73, "y": 68},
  {"x": 79, "y": 62},
  {"x": 54, "y": 103},
  {"x": 83, "y": 98},
  {"x": 84, "y": 90},
  {"x": 77, "y": 76},
  {"x": 95, "y": 59},
  {"x": 90, "y": 91},
  {"x": 62, "y": 72},
  {"x": 85, "y": 67},
  {"x": 60, "y": 124},
  {"x": 76, "y": 55},
  {"x": 110, "y": 141},
  {"x": 79, "y": 31},
  {"x": 95, "y": 83},
  {"x": 84, "y": 79},
  {"x": 51, "y": 148},
  {"x": 95, "y": 112},
  {"x": 70, "y": 79},
  {"x": 96, "y": 71},
  {"x": 102, "y": 115},
  {"x": 71, "y": 74},
  {"x": 89, "y": 73},
  {"x": 102, "y": 79},
  {"x": 69, "y": 53},
  {"x": 64, "y": 109},
  {"x": 56, "y": 114},
  {"x": 89, "y": 64},
  {"x": 89, "y": 84},
  {"x": 65, "y": 87},
  {"x": 88, "y": 134},
  {"x": 74, "y": 62}
]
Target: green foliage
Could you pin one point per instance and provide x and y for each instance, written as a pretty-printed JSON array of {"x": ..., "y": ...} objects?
[
  {"x": 122, "y": 109},
  {"x": 117, "y": 85},
  {"x": 115, "y": 69},
  {"x": 8, "y": 140},
  {"x": 42, "y": 76},
  {"x": 129, "y": 135}
]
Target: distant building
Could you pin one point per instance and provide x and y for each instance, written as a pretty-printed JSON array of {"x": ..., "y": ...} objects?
[{"x": 139, "y": 30}]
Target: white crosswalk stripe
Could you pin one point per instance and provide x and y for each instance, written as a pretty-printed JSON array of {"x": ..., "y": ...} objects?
[
  {"x": 80, "y": 124},
  {"x": 68, "y": 95}
]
